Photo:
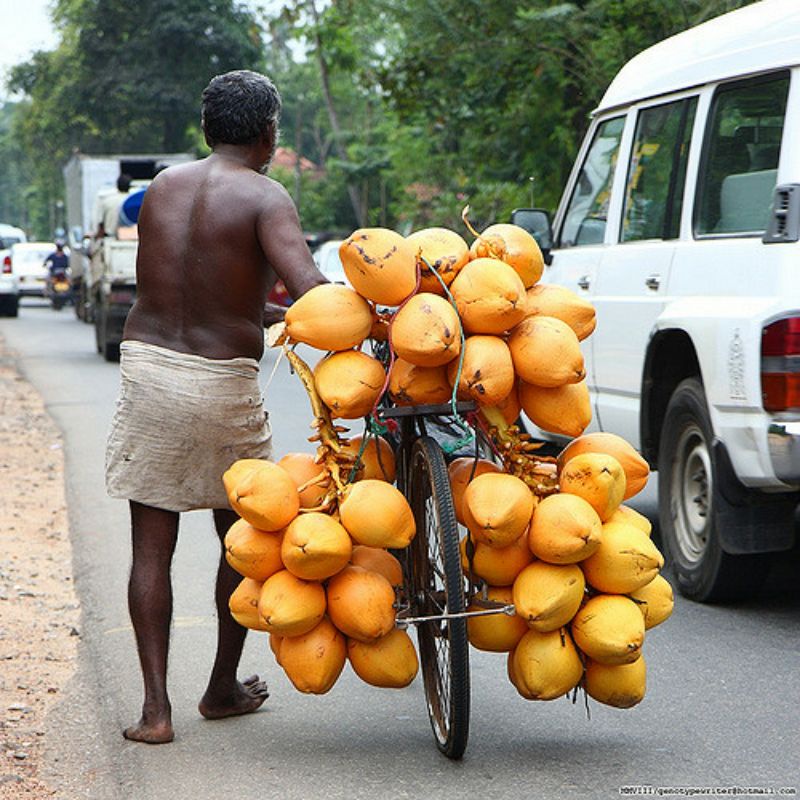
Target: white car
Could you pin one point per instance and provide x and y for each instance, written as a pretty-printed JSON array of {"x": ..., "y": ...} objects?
[
  {"x": 27, "y": 263},
  {"x": 9, "y": 281},
  {"x": 326, "y": 257}
]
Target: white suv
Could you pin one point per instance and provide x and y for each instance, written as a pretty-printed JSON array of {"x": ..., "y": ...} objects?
[
  {"x": 9, "y": 280},
  {"x": 680, "y": 223}
]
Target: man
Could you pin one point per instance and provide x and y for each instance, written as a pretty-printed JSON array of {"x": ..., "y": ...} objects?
[
  {"x": 57, "y": 261},
  {"x": 214, "y": 237},
  {"x": 108, "y": 205}
]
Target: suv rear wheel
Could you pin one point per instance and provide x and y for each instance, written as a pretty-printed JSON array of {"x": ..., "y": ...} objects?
[{"x": 690, "y": 505}]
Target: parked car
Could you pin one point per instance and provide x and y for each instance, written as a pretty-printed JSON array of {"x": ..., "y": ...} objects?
[
  {"x": 326, "y": 257},
  {"x": 9, "y": 281},
  {"x": 27, "y": 263},
  {"x": 680, "y": 222}
]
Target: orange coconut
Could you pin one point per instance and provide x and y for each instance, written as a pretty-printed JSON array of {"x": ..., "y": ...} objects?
[
  {"x": 253, "y": 553},
  {"x": 487, "y": 372},
  {"x": 549, "y": 300},
  {"x": 637, "y": 470},
  {"x": 596, "y": 477},
  {"x": 377, "y": 514},
  {"x": 314, "y": 661},
  {"x": 266, "y": 496},
  {"x": 439, "y": 249},
  {"x": 377, "y": 459},
  {"x": 546, "y": 665},
  {"x": 495, "y": 633},
  {"x": 315, "y": 546},
  {"x": 609, "y": 628},
  {"x": 498, "y": 566},
  {"x": 426, "y": 331},
  {"x": 497, "y": 508},
  {"x": 546, "y": 352},
  {"x": 378, "y": 560},
  {"x": 349, "y": 383},
  {"x": 410, "y": 385},
  {"x": 565, "y": 410},
  {"x": 565, "y": 529},
  {"x": 389, "y": 662},
  {"x": 243, "y": 604},
  {"x": 290, "y": 606},
  {"x": 460, "y": 472},
  {"x": 547, "y": 596},
  {"x": 302, "y": 468},
  {"x": 380, "y": 265},
  {"x": 490, "y": 296},
  {"x": 308, "y": 319},
  {"x": 361, "y": 603},
  {"x": 513, "y": 245}
]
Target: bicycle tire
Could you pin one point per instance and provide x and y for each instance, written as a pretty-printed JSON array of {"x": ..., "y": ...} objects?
[{"x": 437, "y": 585}]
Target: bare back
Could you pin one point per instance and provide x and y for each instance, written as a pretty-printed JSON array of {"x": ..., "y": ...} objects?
[{"x": 214, "y": 236}]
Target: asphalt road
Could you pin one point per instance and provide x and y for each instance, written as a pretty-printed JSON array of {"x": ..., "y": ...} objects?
[{"x": 723, "y": 682}]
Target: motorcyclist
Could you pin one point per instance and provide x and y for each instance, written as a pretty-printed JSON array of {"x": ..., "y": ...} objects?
[{"x": 57, "y": 264}]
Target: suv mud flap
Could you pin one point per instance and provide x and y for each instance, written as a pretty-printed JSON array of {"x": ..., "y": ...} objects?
[{"x": 751, "y": 521}]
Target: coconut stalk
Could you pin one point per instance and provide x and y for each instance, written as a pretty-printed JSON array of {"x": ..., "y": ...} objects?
[{"x": 517, "y": 453}]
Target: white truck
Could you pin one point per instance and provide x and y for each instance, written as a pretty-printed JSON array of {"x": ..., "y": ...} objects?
[
  {"x": 103, "y": 271},
  {"x": 680, "y": 222}
]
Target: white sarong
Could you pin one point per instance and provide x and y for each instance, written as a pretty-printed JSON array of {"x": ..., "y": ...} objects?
[{"x": 181, "y": 421}]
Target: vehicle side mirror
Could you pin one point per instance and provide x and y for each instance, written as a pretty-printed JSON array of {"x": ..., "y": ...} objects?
[{"x": 537, "y": 222}]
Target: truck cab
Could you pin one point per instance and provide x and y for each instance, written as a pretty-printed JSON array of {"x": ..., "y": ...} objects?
[{"x": 680, "y": 223}]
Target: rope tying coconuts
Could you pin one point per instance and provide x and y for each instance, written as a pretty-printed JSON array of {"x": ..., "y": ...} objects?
[{"x": 446, "y": 323}]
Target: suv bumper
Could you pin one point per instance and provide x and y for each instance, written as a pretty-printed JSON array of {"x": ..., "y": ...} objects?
[{"x": 783, "y": 440}]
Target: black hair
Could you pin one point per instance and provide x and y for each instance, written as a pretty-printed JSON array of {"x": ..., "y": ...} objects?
[
  {"x": 124, "y": 182},
  {"x": 239, "y": 107}
]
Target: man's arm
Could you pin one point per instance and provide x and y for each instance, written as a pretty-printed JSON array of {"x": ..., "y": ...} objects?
[
  {"x": 273, "y": 312},
  {"x": 284, "y": 246}
]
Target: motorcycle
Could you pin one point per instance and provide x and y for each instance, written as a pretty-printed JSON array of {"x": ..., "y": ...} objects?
[{"x": 58, "y": 289}]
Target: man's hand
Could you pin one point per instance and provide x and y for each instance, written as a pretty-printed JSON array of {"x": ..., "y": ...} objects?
[{"x": 273, "y": 313}]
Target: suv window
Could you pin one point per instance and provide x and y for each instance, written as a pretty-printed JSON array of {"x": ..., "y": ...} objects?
[
  {"x": 657, "y": 171},
  {"x": 740, "y": 160},
  {"x": 585, "y": 220}
]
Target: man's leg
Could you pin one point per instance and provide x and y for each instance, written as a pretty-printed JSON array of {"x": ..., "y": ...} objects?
[
  {"x": 154, "y": 534},
  {"x": 226, "y": 696}
]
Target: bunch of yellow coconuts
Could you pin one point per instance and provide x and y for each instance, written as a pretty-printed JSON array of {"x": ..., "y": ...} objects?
[{"x": 550, "y": 536}]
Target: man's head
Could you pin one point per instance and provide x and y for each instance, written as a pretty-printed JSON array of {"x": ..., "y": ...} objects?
[
  {"x": 240, "y": 108},
  {"x": 124, "y": 182}
]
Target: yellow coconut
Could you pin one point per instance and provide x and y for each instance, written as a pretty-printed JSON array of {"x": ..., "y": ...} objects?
[
  {"x": 442, "y": 250},
  {"x": 361, "y": 603},
  {"x": 410, "y": 385},
  {"x": 609, "y": 628},
  {"x": 290, "y": 606},
  {"x": 389, "y": 662},
  {"x": 636, "y": 468},
  {"x": 547, "y": 596},
  {"x": 564, "y": 529},
  {"x": 546, "y": 665},
  {"x": 596, "y": 477},
  {"x": 461, "y": 471},
  {"x": 266, "y": 496},
  {"x": 315, "y": 546},
  {"x": 275, "y": 645},
  {"x": 308, "y": 320},
  {"x": 621, "y": 686},
  {"x": 625, "y": 561},
  {"x": 487, "y": 372},
  {"x": 304, "y": 470},
  {"x": 550, "y": 300},
  {"x": 377, "y": 514},
  {"x": 490, "y": 296},
  {"x": 349, "y": 383},
  {"x": 564, "y": 410},
  {"x": 655, "y": 601},
  {"x": 243, "y": 604},
  {"x": 426, "y": 331},
  {"x": 513, "y": 245},
  {"x": 253, "y": 553},
  {"x": 495, "y": 633},
  {"x": 631, "y": 516},
  {"x": 497, "y": 508},
  {"x": 546, "y": 352},
  {"x": 380, "y": 265},
  {"x": 314, "y": 661},
  {"x": 378, "y": 560},
  {"x": 377, "y": 458},
  {"x": 498, "y": 566}
]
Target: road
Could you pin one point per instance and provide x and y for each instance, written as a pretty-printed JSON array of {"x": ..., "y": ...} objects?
[{"x": 723, "y": 682}]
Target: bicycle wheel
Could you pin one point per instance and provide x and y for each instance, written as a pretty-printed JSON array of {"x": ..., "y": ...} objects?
[{"x": 438, "y": 588}]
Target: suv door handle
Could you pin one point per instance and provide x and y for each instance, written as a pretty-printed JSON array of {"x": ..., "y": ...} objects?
[
  {"x": 583, "y": 282},
  {"x": 653, "y": 282}
]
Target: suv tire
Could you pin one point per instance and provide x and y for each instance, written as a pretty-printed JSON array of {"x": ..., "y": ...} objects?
[{"x": 690, "y": 505}]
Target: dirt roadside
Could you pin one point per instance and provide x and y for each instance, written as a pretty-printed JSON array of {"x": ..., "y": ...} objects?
[{"x": 39, "y": 610}]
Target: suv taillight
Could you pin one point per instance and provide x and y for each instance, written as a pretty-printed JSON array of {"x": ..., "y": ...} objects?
[
  {"x": 780, "y": 365},
  {"x": 7, "y": 265}
]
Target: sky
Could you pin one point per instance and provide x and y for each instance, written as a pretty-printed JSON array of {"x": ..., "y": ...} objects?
[{"x": 26, "y": 28}]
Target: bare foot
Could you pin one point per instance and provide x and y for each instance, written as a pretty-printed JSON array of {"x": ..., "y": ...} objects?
[
  {"x": 246, "y": 697},
  {"x": 150, "y": 732}
]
